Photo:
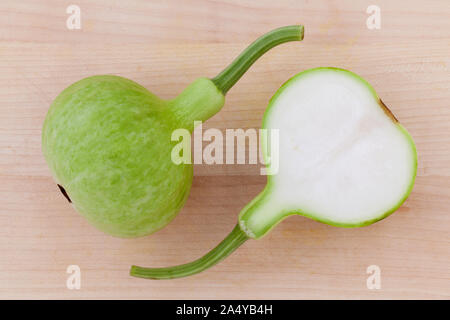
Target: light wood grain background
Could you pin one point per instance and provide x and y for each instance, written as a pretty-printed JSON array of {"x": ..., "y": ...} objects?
[{"x": 164, "y": 45}]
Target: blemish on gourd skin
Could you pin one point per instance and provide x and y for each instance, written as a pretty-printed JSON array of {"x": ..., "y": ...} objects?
[
  {"x": 387, "y": 111},
  {"x": 63, "y": 191}
]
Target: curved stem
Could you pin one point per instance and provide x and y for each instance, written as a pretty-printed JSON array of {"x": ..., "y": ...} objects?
[
  {"x": 225, "y": 248},
  {"x": 231, "y": 74}
]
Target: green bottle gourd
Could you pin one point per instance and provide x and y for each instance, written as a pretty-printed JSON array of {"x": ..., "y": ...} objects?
[
  {"x": 343, "y": 159},
  {"x": 107, "y": 141}
]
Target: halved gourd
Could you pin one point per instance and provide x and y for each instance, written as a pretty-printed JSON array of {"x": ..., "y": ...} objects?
[{"x": 342, "y": 158}]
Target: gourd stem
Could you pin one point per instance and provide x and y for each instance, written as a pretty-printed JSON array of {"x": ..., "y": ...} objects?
[
  {"x": 231, "y": 74},
  {"x": 225, "y": 248}
]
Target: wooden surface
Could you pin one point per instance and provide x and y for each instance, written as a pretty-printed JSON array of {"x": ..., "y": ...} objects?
[{"x": 164, "y": 45}]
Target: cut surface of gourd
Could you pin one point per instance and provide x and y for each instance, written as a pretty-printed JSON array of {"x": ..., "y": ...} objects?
[{"x": 344, "y": 159}]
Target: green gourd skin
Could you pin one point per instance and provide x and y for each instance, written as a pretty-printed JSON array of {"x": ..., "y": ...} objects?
[{"x": 107, "y": 141}]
